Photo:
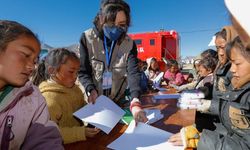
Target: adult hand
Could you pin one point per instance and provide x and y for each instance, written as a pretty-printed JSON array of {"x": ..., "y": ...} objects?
[
  {"x": 137, "y": 111},
  {"x": 92, "y": 96},
  {"x": 91, "y": 132},
  {"x": 139, "y": 114}
]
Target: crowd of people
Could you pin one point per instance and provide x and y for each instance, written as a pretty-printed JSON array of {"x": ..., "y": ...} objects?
[{"x": 38, "y": 97}]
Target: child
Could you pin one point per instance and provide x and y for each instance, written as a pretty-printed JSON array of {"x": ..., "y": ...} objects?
[
  {"x": 234, "y": 130},
  {"x": 173, "y": 76},
  {"x": 63, "y": 97},
  {"x": 241, "y": 23},
  {"x": 205, "y": 84},
  {"x": 153, "y": 69},
  {"x": 23, "y": 112},
  {"x": 206, "y": 54},
  {"x": 206, "y": 69}
]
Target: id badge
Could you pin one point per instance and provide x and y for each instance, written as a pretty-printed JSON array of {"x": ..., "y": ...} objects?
[{"x": 107, "y": 80}]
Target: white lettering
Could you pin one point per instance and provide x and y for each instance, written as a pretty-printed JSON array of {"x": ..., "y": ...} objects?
[{"x": 140, "y": 50}]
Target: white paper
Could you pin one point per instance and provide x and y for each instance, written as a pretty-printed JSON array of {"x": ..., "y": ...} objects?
[
  {"x": 157, "y": 80},
  {"x": 143, "y": 137},
  {"x": 104, "y": 114},
  {"x": 153, "y": 115}
]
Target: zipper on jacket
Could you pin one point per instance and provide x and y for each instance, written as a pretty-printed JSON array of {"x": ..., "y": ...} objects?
[{"x": 7, "y": 133}]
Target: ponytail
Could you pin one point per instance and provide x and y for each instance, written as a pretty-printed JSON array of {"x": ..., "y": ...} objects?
[{"x": 40, "y": 74}]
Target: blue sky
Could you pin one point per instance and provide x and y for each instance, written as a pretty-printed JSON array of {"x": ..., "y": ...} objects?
[{"x": 60, "y": 22}]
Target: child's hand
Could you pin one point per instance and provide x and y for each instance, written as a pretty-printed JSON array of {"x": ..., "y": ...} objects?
[
  {"x": 176, "y": 139},
  {"x": 91, "y": 132},
  {"x": 92, "y": 97}
]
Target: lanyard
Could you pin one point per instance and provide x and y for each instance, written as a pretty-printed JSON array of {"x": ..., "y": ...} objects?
[{"x": 108, "y": 53}]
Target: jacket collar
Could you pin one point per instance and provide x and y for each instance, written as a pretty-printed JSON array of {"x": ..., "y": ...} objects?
[
  {"x": 15, "y": 95},
  {"x": 235, "y": 94}
]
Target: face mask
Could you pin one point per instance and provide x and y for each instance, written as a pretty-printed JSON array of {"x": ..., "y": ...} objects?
[{"x": 113, "y": 33}]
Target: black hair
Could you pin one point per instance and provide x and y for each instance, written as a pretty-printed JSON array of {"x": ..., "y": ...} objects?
[
  {"x": 11, "y": 30},
  {"x": 236, "y": 43},
  {"x": 173, "y": 62},
  {"x": 209, "y": 53},
  {"x": 208, "y": 63},
  {"x": 142, "y": 65},
  {"x": 109, "y": 10},
  {"x": 53, "y": 60}
]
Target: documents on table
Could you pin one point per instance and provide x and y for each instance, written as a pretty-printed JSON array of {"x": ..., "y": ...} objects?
[
  {"x": 143, "y": 137},
  {"x": 153, "y": 115},
  {"x": 167, "y": 96},
  {"x": 104, "y": 114}
]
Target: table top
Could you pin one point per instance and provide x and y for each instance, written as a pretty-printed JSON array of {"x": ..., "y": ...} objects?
[{"x": 174, "y": 119}]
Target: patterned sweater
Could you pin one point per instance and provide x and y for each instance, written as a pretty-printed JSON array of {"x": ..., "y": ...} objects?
[{"x": 62, "y": 103}]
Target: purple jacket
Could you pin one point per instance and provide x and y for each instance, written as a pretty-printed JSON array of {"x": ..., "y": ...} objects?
[{"x": 24, "y": 121}]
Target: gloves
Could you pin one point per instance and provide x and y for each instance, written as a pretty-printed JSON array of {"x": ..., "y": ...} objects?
[
  {"x": 205, "y": 105},
  {"x": 190, "y": 136}
]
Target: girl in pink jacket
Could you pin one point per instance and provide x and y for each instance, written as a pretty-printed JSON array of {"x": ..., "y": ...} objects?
[
  {"x": 173, "y": 76},
  {"x": 24, "y": 116}
]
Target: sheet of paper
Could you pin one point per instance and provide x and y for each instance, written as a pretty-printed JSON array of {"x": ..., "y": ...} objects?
[
  {"x": 153, "y": 115},
  {"x": 167, "y": 96},
  {"x": 104, "y": 114},
  {"x": 159, "y": 77},
  {"x": 143, "y": 137}
]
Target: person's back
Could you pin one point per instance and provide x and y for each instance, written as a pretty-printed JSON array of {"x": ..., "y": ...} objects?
[{"x": 24, "y": 114}]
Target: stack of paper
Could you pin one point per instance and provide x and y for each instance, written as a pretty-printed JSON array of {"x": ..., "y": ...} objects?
[
  {"x": 104, "y": 114},
  {"x": 143, "y": 137},
  {"x": 190, "y": 99},
  {"x": 167, "y": 96}
]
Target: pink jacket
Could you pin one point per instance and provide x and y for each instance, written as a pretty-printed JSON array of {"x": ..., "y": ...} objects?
[
  {"x": 28, "y": 120},
  {"x": 176, "y": 79}
]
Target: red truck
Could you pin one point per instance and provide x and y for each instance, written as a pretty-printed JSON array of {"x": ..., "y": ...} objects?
[{"x": 160, "y": 44}]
